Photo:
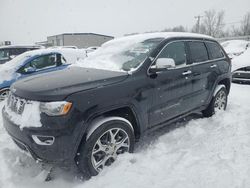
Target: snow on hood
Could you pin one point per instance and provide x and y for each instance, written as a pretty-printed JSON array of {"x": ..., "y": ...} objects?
[
  {"x": 241, "y": 61},
  {"x": 106, "y": 57},
  {"x": 7, "y": 70},
  {"x": 235, "y": 47}
]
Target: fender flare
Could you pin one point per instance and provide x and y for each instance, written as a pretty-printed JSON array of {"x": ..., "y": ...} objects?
[
  {"x": 99, "y": 121},
  {"x": 218, "y": 88}
]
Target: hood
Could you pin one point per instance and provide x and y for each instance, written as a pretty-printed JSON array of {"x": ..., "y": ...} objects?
[{"x": 56, "y": 86}]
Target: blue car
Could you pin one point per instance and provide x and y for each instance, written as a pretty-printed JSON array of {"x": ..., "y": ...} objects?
[{"x": 36, "y": 62}]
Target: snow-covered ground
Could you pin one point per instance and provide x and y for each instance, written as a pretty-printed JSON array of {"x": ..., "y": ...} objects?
[{"x": 203, "y": 152}]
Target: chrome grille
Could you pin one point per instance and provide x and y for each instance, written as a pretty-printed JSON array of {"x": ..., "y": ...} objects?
[{"x": 16, "y": 104}]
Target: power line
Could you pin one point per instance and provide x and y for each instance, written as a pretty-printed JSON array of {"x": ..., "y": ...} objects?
[{"x": 232, "y": 23}]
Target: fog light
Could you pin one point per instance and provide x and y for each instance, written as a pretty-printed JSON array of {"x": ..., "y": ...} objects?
[{"x": 43, "y": 140}]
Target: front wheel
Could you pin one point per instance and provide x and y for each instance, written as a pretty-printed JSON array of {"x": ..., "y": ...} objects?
[
  {"x": 218, "y": 103},
  {"x": 101, "y": 149}
]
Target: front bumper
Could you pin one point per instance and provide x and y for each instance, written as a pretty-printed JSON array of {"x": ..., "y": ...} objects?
[{"x": 64, "y": 147}]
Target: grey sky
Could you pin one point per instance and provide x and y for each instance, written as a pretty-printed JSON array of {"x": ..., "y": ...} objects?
[{"x": 27, "y": 21}]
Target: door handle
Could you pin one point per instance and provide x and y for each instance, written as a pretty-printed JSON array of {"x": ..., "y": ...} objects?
[
  {"x": 213, "y": 66},
  {"x": 185, "y": 73}
]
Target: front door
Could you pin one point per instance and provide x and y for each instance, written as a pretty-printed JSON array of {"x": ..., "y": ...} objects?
[{"x": 172, "y": 87}]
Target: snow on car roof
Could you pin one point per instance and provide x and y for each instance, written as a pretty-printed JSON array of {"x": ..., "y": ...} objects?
[
  {"x": 165, "y": 35},
  {"x": 70, "y": 55}
]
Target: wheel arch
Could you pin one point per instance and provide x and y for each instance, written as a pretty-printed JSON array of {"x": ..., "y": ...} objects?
[
  {"x": 226, "y": 82},
  {"x": 124, "y": 113}
]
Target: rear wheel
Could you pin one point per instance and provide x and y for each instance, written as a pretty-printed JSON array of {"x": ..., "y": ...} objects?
[
  {"x": 101, "y": 149},
  {"x": 218, "y": 103},
  {"x": 4, "y": 94}
]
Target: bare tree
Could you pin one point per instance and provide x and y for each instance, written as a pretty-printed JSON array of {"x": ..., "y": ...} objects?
[
  {"x": 179, "y": 28},
  {"x": 245, "y": 24},
  {"x": 213, "y": 23},
  {"x": 235, "y": 31}
]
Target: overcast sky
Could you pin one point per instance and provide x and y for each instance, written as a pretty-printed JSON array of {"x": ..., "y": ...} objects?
[{"x": 28, "y": 21}]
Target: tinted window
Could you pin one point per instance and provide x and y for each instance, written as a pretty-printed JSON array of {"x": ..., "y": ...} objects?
[
  {"x": 198, "y": 51},
  {"x": 175, "y": 51},
  {"x": 215, "y": 50}
]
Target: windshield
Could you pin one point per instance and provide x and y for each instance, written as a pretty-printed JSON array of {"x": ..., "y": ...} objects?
[
  {"x": 17, "y": 61},
  {"x": 4, "y": 54},
  {"x": 7, "y": 69},
  {"x": 120, "y": 55}
]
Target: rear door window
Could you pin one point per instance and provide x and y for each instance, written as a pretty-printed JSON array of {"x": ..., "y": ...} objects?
[
  {"x": 198, "y": 51},
  {"x": 214, "y": 50}
]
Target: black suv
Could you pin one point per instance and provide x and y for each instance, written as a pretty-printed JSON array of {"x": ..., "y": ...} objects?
[{"x": 88, "y": 116}]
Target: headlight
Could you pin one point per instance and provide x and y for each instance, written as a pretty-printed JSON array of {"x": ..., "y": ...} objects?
[{"x": 55, "y": 108}]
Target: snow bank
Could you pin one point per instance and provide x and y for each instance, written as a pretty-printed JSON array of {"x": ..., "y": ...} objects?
[
  {"x": 30, "y": 116},
  {"x": 205, "y": 152},
  {"x": 241, "y": 61}
]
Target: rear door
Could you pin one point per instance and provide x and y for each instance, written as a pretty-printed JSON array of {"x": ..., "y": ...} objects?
[
  {"x": 172, "y": 87},
  {"x": 204, "y": 72}
]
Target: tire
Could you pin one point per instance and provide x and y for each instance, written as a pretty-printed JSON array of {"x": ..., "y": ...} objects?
[
  {"x": 90, "y": 152},
  {"x": 213, "y": 106},
  {"x": 4, "y": 94}
]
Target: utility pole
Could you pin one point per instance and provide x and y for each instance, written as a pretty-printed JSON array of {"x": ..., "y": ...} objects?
[{"x": 198, "y": 22}]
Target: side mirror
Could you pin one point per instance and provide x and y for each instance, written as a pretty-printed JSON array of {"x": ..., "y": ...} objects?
[
  {"x": 30, "y": 70},
  {"x": 162, "y": 64}
]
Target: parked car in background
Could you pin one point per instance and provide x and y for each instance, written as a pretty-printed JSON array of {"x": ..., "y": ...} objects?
[
  {"x": 92, "y": 112},
  {"x": 235, "y": 48},
  {"x": 91, "y": 49},
  {"x": 71, "y": 47},
  {"x": 241, "y": 68},
  {"x": 36, "y": 62},
  {"x": 9, "y": 52}
]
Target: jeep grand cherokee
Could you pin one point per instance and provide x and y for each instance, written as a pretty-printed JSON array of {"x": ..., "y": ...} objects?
[{"x": 91, "y": 113}]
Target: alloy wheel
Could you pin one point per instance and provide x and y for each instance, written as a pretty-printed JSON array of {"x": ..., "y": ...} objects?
[
  {"x": 108, "y": 146},
  {"x": 220, "y": 101}
]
